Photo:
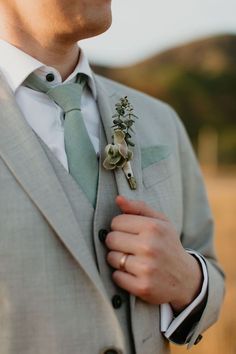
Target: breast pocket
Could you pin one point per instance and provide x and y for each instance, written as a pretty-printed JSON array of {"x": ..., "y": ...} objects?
[
  {"x": 163, "y": 189},
  {"x": 158, "y": 172}
]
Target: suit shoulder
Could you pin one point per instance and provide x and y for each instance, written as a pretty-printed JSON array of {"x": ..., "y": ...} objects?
[
  {"x": 151, "y": 111},
  {"x": 134, "y": 94},
  {"x": 158, "y": 120}
]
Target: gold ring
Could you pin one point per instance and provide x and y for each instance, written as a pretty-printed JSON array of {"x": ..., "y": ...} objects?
[{"x": 123, "y": 261}]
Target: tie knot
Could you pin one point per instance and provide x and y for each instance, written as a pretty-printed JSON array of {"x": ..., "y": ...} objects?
[{"x": 67, "y": 96}]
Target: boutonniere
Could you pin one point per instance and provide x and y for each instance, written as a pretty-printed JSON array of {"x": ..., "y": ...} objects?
[{"x": 119, "y": 153}]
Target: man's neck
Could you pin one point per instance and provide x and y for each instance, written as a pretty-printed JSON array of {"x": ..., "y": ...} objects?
[
  {"x": 51, "y": 52},
  {"x": 63, "y": 59}
]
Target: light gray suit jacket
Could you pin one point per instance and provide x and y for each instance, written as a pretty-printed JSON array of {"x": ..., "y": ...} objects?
[{"x": 52, "y": 298}]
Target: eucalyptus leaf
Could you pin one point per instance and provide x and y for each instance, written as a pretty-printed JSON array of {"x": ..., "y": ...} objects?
[
  {"x": 114, "y": 160},
  {"x": 121, "y": 163},
  {"x": 129, "y": 142},
  {"x": 107, "y": 165}
]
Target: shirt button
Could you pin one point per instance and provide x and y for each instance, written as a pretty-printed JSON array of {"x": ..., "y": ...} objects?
[
  {"x": 102, "y": 235},
  {"x": 50, "y": 77},
  {"x": 117, "y": 301}
]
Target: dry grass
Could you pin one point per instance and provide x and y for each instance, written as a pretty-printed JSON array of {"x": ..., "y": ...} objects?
[{"x": 221, "y": 338}]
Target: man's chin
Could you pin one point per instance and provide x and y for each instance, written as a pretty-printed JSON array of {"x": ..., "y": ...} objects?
[{"x": 96, "y": 29}]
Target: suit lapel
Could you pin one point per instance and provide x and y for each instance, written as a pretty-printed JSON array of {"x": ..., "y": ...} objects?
[
  {"x": 144, "y": 317},
  {"x": 25, "y": 158},
  {"x": 106, "y": 105}
]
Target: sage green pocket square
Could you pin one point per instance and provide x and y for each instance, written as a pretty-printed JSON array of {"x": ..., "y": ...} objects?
[{"x": 153, "y": 154}]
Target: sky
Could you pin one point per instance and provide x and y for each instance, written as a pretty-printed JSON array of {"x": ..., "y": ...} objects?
[{"x": 142, "y": 28}]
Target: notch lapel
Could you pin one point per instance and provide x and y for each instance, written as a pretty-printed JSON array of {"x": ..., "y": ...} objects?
[
  {"x": 25, "y": 158},
  {"x": 144, "y": 317},
  {"x": 106, "y": 105}
]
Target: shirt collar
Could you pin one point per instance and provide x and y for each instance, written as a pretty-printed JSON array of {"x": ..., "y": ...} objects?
[{"x": 17, "y": 66}]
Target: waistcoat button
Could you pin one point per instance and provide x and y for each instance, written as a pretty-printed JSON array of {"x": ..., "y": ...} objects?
[
  {"x": 117, "y": 301},
  {"x": 102, "y": 234}
]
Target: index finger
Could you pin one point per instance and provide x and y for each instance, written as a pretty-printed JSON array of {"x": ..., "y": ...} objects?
[{"x": 138, "y": 207}]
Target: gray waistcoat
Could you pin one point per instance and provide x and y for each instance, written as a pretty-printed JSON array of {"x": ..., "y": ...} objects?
[{"x": 94, "y": 221}]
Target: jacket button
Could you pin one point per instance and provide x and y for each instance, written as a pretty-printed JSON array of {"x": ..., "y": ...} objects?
[
  {"x": 199, "y": 338},
  {"x": 111, "y": 351},
  {"x": 102, "y": 235},
  {"x": 117, "y": 301}
]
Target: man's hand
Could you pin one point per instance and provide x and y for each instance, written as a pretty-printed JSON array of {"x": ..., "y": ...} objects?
[{"x": 157, "y": 269}]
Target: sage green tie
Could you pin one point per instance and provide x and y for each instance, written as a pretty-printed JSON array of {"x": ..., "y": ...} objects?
[{"x": 81, "y": 156}]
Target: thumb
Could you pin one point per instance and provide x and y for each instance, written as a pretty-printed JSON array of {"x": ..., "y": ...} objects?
[{"x": 137, "y": 207}]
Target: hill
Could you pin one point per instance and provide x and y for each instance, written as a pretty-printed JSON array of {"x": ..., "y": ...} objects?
[{"x": 199, "y": 80}]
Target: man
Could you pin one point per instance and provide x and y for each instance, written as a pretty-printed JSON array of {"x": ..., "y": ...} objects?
[{"x": 79, "y": 275}]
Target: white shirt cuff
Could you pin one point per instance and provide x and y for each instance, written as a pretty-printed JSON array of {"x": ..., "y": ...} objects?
[{"x": 169, "y": 323}]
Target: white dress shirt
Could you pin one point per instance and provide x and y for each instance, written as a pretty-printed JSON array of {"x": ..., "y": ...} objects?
[{"x": 46, "y": 120}]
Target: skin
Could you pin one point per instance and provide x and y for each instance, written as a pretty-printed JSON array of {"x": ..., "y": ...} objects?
[
  {"x": 158, "y": 269},
  {"x": 50, "y": 29}
]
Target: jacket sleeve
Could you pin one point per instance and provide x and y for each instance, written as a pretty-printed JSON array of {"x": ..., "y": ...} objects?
[{"x": 197, "y": 235}]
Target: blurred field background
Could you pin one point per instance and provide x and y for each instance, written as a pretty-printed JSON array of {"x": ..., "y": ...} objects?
[
  {"x": 199, "y": 80},
  {"x": 221, "y": 338}
]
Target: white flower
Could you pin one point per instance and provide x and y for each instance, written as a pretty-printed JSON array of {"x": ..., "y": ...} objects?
[{"x": 117, "y": 154}]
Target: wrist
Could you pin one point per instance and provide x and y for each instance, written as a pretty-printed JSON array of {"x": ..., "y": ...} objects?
[{"x": 191, "y": 285}]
